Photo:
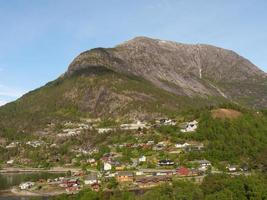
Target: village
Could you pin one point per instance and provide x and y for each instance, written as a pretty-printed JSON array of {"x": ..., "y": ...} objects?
[{"x": 133, "y": 165}]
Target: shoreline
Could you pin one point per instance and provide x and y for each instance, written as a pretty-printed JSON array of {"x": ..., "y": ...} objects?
[
  {"x": 32, "y": 170},
  {"x": 26, "y": 193},
  {"x": 15, "y": 192}
]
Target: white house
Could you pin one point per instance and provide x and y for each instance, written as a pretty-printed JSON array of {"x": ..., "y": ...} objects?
[
  {"x": 91, "y": 161},
  {"x": 181, "y": 146},
  {"x": 134, "y": 126},
  {"x": 26, "y": 185},
  {"x": 190, "y": 127},
  {"x": 142, "y": 159},
  {"x": 91, "y": 179},
  {"x": 104, "y": 130},
  {"x": 12, "y": 145},
  {"x": 10, "y": 162},
  {"x": 203, "y": 164},
  {"x": 231, "y": 168},
  {"x": 107, "y": 166}
]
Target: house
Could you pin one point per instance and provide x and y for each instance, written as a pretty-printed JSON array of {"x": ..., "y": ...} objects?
[
  {"x": 35, "y": 144},
  {"x": 70, "y": 183},
  {"x": 150, "y": 142},
  {"x": 181, "y": 146},
  {"x": 104, "y": 130},
  {"x": 183, "y": 171},
  {"x": 91, "y": 161},
  {"x": 124, "y": 176},
  {"x": 107, "y": 166},
  {"x": 194, "y": 146},
  {"x": 142, "y": 159},
  {"x": 72, "y": 189},
  {"x": 165, "y": 162},
  {"x": 168, "y": 122},
  {"x": 139, "y": 173},
  {"x": 134, "y": 126},
  {"x": 26, "y": 185},
  {"x": 160, "y": 146},
  {"x": 12, "y": 145},
  {"x": 91, "y": 179},
  {"x": 95, "y": 187},
  {"x": 190, "y": 127},
  {"x": 203, "y": 164},
  {"x": 10, "y": 162},
  {"x": 151, "y": 181},
  {"x": 119, "y": 167},
  {"x": 165, "y": 172},
  {"x": 232, "y": 168}
]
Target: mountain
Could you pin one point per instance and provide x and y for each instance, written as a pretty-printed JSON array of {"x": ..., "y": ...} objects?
[
  {"x": 187, "y": 70},
  {"x": 141, "y": 78}
]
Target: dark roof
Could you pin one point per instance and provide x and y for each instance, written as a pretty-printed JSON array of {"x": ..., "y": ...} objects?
[{"x": 154, "y": 179}]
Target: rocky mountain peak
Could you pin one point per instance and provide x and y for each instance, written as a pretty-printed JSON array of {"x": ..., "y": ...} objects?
[{"x": 184, "y": 69}]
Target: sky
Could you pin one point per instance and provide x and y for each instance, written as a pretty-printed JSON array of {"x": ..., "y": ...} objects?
[{"x": 39, "y": 38}]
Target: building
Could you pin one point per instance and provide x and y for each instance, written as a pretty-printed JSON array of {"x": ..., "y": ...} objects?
[
  {"x": 107, "y": 166},
  {"x": 12, "y": 145},
  {"x": 203, "y": 164},
  {"x": 10, "y": 162},
  {"x": 232, "y": 168},
  {"x": 165, "y": 162},
  {"x": 183, "y": 171},
  {"x": 91, "y": 161},
  {"x": 190, "y": 127},
  {"x": 181, "y": 146},
  {"x": 95, "y": 187},
  {"x": 26, "y": 185},
  {"x": 125, "y": 176},
  {"x": 134, "y": 126},
  {"x": 194, "y": 146},
  {"x": 91, "y": 179},
  {"x": 142, "y": 159},
  {"x": 151, "y": 181},
  {"x": 167, "y": 122},
  {"x": 105, "y": 130}
]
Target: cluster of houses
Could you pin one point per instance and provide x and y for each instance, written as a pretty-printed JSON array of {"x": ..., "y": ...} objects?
[
  {"x": 142, "y": 178},
  {"x": 189, "y": 126},
  {"x": 74, "y": 129},
  {"x": 26, "y": 185},
  {"x": 12, "y": 145},
  {"x": 35, "y": 143}
]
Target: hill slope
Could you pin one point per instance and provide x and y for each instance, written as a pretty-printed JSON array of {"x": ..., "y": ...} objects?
[{"x": 141, "y": 78}]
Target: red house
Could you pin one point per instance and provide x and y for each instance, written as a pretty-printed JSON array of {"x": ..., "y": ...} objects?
[{"x": 183, "y": 171}]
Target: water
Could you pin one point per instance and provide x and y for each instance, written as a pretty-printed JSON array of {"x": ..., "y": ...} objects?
[
  {"x": 14, "y": 179},
  {"x": 24, "y": 198}
]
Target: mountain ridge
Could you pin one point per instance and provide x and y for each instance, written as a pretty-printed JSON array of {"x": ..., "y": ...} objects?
[
  {"x": 140, "y": 80},
  {"x": 183, "y": 69}
]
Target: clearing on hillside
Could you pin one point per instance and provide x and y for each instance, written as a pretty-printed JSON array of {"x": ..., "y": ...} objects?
[{"x": 223, "y": 113}]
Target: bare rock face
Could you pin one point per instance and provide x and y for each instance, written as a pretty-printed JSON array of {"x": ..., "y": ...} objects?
[{"x": 183, "y": 69}]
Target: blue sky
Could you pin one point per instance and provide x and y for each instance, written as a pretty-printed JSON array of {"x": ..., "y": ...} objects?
[{"x": 39, "y": 38}]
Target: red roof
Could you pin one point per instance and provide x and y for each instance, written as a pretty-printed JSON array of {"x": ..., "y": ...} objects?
[{"x": 183, "y": 171}]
